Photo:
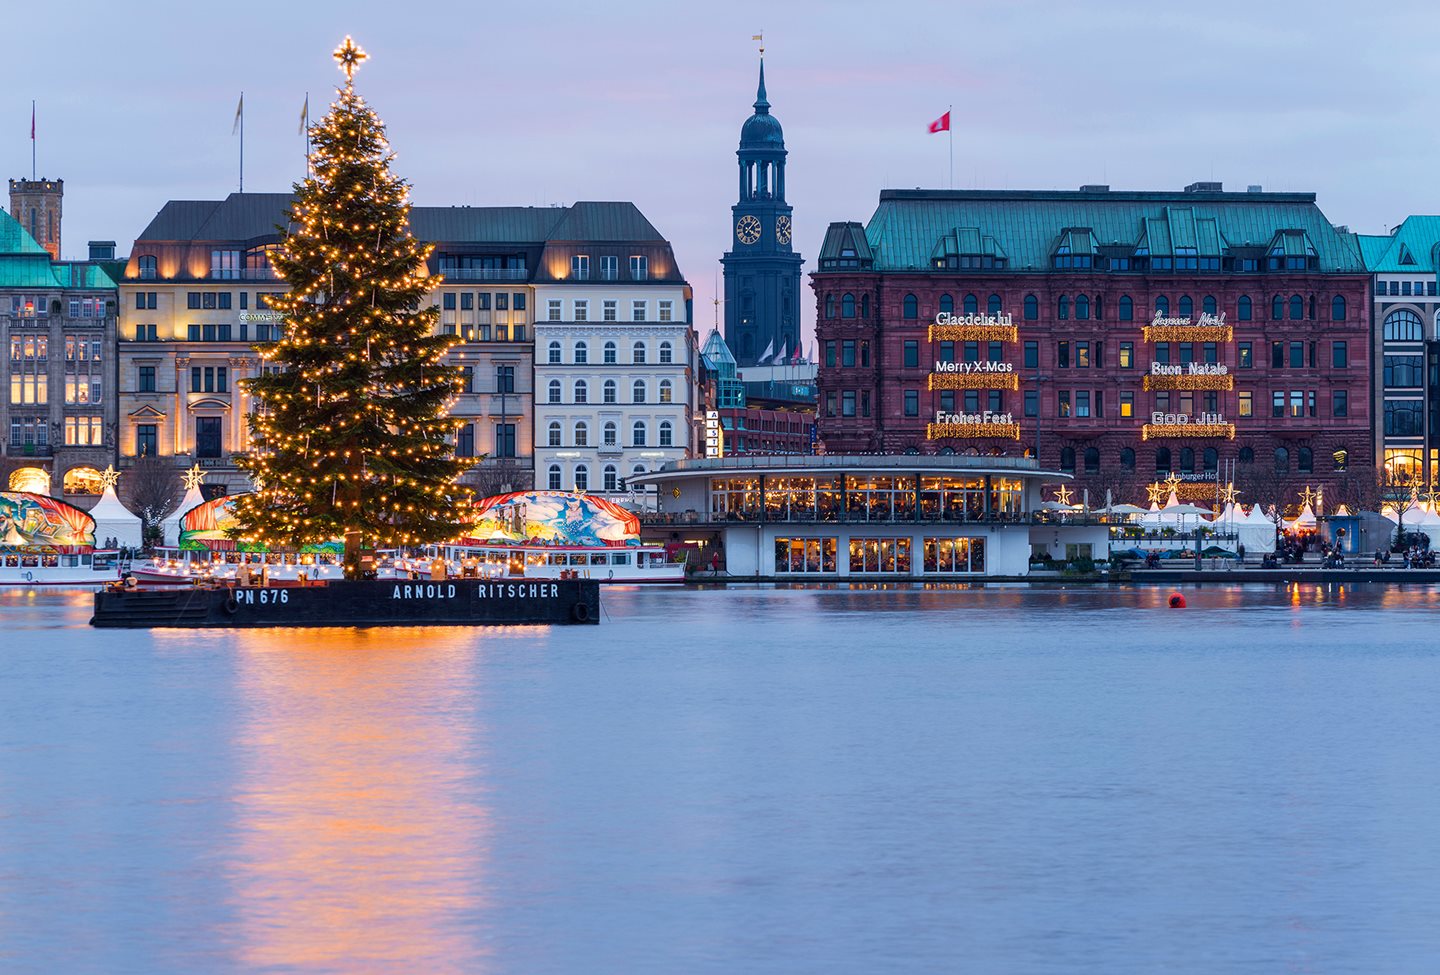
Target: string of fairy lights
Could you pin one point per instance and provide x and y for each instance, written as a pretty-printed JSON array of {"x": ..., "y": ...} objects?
[{"x": 350, "y": 435}]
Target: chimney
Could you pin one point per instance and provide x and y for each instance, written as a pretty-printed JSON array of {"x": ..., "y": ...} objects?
[
  {"x": 1204, "y": 188},
  {"x": 1095, "y": 188},
  {"x": 1254, "y": 188}
]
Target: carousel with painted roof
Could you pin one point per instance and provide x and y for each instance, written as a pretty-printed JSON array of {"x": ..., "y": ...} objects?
[{"x": 552, "y": 535}]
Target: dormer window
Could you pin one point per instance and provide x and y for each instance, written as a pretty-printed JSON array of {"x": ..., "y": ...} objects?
[{"x": 1186, "y": 259}]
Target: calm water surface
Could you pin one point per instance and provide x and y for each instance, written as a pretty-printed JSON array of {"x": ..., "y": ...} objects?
[{"x": 1006, "y": 781}]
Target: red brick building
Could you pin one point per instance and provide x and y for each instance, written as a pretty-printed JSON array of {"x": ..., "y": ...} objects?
[{"x": 1124, "y": 336}]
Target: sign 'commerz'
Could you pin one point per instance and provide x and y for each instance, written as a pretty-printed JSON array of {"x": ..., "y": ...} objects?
[
  {"x": 971, "y": 425},
  {"x": 1208, "y": 328},
  {"x": 974, "y": 375},
  {"x": 973, "y": 328},
  {"x": 1195, "y": 375},
  {"x": 1174, "y": 426}
]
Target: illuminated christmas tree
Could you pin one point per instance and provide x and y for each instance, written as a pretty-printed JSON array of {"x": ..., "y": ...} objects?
[{"x": 349, "y": 438}]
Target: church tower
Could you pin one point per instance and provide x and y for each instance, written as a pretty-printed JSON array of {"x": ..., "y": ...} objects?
[{"x": 762, "y": 270}]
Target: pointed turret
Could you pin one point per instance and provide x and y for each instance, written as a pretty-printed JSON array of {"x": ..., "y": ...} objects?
[{"x": 762, "y": 106}]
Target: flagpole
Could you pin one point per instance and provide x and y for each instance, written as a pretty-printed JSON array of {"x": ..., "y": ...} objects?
[
  {"x": 242, "y": 142},
  {"x": 307, "y": 135},
  {"x": 950, "y": 131},
  {"x": 32, "y": 140}
]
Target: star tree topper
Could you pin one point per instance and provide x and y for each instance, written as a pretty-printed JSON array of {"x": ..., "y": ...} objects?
[
  {"x": 194, "y": 477},
  {"x": 349, "y": 55}
]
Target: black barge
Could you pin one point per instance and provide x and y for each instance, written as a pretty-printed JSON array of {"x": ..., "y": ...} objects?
[{"x": 382, "y": 602}]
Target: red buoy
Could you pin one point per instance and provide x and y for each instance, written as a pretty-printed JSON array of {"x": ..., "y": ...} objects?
[{"x": 1177, "y": 601}]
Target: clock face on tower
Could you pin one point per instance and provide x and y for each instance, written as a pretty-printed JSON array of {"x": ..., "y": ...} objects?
[
  {"x": 782, "y": 229},
  {"x": 747, "y": 230}
]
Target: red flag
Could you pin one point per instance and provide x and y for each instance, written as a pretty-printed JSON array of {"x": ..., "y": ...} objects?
[
  {"x": 941, "y": 124},
  {"x": 32, "y": 121}
]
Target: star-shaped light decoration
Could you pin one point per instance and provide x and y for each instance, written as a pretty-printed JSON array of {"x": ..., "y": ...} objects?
[
  {"x": 1062, "y": 494},
  {"x": 1228, "y": 494},
  {"x": 109, "y": 478},
  {"x": 1156, "y": 493},
  {"x": 1307, "y": 496},
  {"x": 194, "y": 477},
  {"x": 349, "y": 55},
  {"x": 1173, "y": 481}
]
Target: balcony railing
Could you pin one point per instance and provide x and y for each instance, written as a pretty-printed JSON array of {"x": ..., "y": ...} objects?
[{"x": 484, "y": 273}]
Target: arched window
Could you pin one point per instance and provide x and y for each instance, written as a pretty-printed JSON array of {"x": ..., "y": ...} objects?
[
  {"x": 1341, "y": 458},
  {"x": 607, "y": 392},
  {"x": 1403, "y": 325},
  {"x": 1337, "y": 308},
  {"x": 1277, "y": 308},
  {"x": 1062, "y": 308},
  {"x": 1092, "y": 460},
  {"x": 993, "y": 305},
  {"x": 847, "y": 305},
  {"x": 1247, "y": 455},
  {"x": 637, "y": 391},
  {"x": 1067, "y": 458},
  {"x": 610, "y": 478},
  {"x": 637, "y": 353},
  {"x": 667, "y": 353},
  {"x": 1305, "y": 460},
  {"x": 582, "y": 353},
  {"x": 667, "y": 434},
  {"x": 666, "y": 391},
  {"x": 582, "y": 477},
  {"x": 1282, "y": 460},
  {"x": 1242, "y": 308},
  {"x": 947, "y": 304},
  {"x": 911, "y": 307},
  {"x": 1082, "y": 308},
  {"x": 1212, "y": 460},
  {"x": 637, "y": 434},
  {"x": 553, "y": 391},
  {"x": 1187, "y": 306},
  {"x": 554, "y": 353},
  {"x": 1297, "y": 308},
  {"x": 829, "y": 306},
  {"x": 582, "y": 434},
  {"x": 1208, "y": 305},
  {"x": 1187, "y": 460},
  {"x": 609, "y": 434},
  {"x": 147, "y": 267},
  {"x": 552, "y": 478},
  {"x": 1127, "y": 458},
  {"x": 582, "y": 391},
  {"x": 946, "y": 451},
  {"x": 1032, "y": 308},
  {"x": 1127, "y": 308},
  {"x": 610, "y": 355},
  {"x": 865, "y": 306},
  {"x": 635, "y": 471},
  {"x": 553, "y": 434},
  {"x": 1162, "y": 306},
  {"x": 1162, "y": 460},
  {"x": 972, "y": 305}
]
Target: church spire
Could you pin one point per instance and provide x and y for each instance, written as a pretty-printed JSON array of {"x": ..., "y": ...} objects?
[{"x": 762, "y": 106}]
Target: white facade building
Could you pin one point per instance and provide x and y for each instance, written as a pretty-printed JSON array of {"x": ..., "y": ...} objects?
[{"x": 614, "y": 381}]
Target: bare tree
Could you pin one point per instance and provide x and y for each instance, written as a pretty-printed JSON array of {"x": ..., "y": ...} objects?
[
  {"x": 488, "y": 480},
  {"x": 1358, "y": 490},
  {"x": 152, "y": 490}
]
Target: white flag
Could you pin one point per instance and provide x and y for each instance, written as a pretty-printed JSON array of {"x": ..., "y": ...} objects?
[
  {"x": 769, "y": 350},
  {"x": 780, "y": 356}
]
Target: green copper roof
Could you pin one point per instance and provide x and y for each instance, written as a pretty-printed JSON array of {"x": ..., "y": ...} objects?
[
  {"x": 911, "y": 226},
  {"x": 1411, "y": 247},
  {"x": 25, "y": 264}
]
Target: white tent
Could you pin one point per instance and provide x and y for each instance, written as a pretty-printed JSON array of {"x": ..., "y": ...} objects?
[
  {"x": 1254, "y": 530},
  {"x": 1304, "y": 521},
  {"x": 114, "y": 520},
  {"x": 171, "y": 525}
]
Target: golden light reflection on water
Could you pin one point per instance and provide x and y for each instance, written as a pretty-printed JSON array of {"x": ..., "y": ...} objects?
[{"x": 360, "y": 840}]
